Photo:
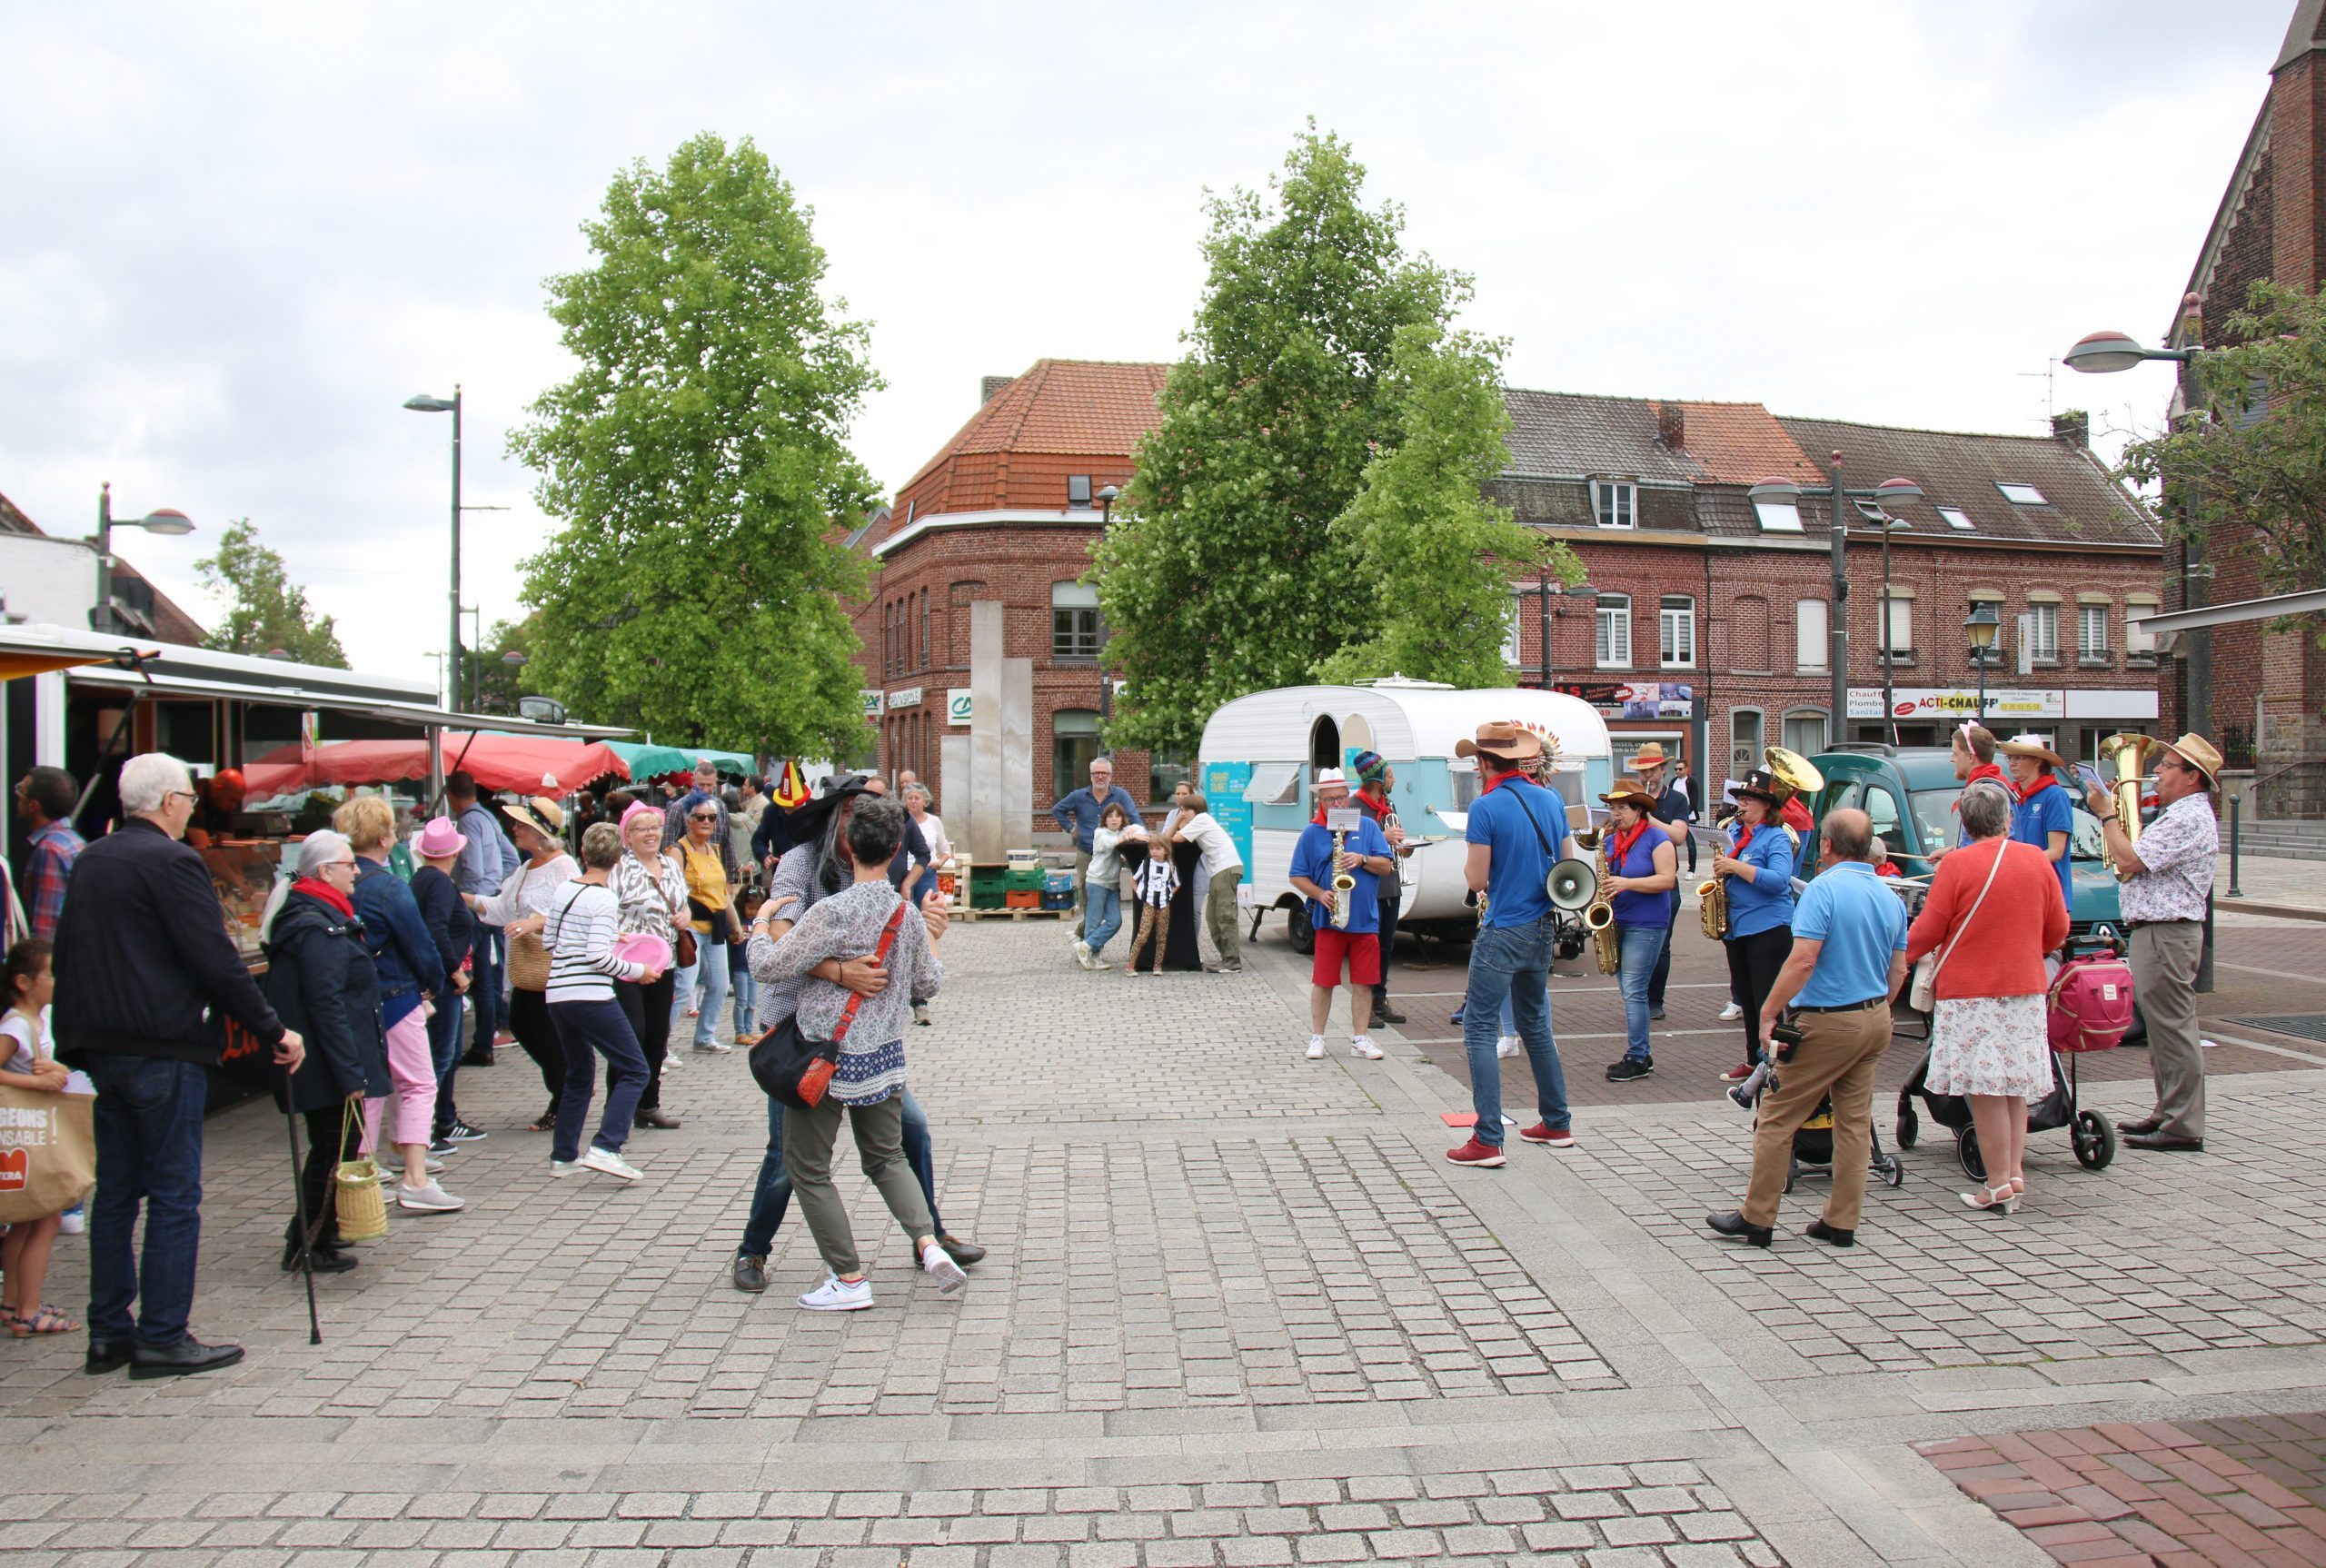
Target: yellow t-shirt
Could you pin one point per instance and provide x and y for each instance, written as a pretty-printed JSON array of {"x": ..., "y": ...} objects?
[{"x": 706, "y": 881}]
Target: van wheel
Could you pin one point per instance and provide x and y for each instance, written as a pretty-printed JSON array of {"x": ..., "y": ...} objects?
[{"x": 1299, "y": 931}]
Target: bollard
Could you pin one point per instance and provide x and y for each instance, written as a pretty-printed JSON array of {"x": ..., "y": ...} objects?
[{"x": 2235, "y": 804}]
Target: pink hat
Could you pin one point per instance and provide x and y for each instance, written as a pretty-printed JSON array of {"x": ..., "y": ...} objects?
[
  {"x": 440, "y": 841},
  {"x": 639, "y": 808}
]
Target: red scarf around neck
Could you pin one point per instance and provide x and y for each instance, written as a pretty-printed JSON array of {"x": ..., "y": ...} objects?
[
  {"x": 1620, "y": 846},
  {"x": 1984, "y": 770},
  {"x": 2023, "y": 793},
  {"x": 315, "y": 887}
]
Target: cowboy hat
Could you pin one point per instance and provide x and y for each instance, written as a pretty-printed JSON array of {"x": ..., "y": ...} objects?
[
  {"x": 2028, "y": 746},
  {"x": 1649, "y": 756},
  {"x": 1762, "y": 785},
  {"x": 1502, "y": 739},
  {"x": 1630, "y": 791},
  {"x": 440, "y": 841},
  {"x": 542, "y": 814},
  {"x": 2198, "y": 752},
  {"x": 1330, "y": 778}
]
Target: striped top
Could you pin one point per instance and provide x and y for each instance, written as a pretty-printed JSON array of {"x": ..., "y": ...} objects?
[
  {"x": 582, "y": 924},
  {"x": 652, "y": 898}
]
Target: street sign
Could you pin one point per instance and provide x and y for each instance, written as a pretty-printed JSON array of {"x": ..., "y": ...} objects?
[
  {"x": 872, "y": 702},
  {"x": 957, "y": 706}
]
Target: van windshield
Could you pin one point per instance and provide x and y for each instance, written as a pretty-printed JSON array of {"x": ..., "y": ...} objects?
[{"x": 1934, "y": 815}]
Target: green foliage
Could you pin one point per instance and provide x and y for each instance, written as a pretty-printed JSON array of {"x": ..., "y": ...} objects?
[
  {"x": 2245, "y": 470},
  {"x": 1235, "y": 561},
  {"x": 499, "y": 683},
  {"x": 698, "y": 461},
  {"x": 265, "y": 611},
  {"x": 1422, "y": 527}
]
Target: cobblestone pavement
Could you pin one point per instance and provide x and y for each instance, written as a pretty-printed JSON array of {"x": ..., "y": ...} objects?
[{"x": 1238, "y": 1310}]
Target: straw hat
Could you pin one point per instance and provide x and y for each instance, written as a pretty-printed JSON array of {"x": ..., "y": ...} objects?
[
  {"x": 1504, "y": 740},
  {"x": 1649, "y": 756},
  {"x": 542, "y": 814},
  {"x": 1630, "y": 791},
  {"x": 2028, "y": 746},
  {"x": 440, "y": 841},
  {"x": 2199, "y": 753}
]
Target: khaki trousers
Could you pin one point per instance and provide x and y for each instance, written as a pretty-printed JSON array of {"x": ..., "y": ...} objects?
[
  {"x": 1836, "y": 1056},
  {"x": 1219, "y": 913},
  {"x": 807, "y": 1139},
  {"x": 2164, "y": 980},
  {"x": 1081, "y": 897}
]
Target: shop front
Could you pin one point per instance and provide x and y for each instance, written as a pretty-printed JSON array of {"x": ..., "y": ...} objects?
[{"x": 2075, "y": 719}]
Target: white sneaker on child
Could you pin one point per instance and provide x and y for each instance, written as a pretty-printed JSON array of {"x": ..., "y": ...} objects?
[
  {"x": 1508, "y": 1046},
  {"x": 1363, "y": 1046},
  {"x": 1316, "y": 1047}
]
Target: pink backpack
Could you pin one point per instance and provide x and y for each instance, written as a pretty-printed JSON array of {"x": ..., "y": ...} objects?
[{"x": 2091, "y": 1003}]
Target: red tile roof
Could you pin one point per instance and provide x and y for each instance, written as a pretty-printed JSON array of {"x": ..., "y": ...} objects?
[{"x": 1742, "y": 443}]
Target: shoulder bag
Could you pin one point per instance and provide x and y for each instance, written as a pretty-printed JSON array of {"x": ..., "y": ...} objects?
[
  {"x": 1548, "y": 853},
  {"x": 1921, "y": 994},
  {"x": 797, "y": 1070},
  {"x": 682, "y": 948}
]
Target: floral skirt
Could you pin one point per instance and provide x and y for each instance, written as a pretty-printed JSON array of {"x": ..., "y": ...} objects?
[{"x": 1990, "y": 1046}]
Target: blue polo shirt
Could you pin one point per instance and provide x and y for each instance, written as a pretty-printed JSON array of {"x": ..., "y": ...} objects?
[
  {"x": 1861, "y": 923},
  {"x": 1763, "y": 900},
  {"x": 1312, "y": 856},
  {"x": 2033, "y": 821},
  {"x": 1506, "y": 820}
]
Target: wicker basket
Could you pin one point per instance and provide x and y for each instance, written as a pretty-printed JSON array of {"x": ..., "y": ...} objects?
[{"x": 362, "y": 1206}]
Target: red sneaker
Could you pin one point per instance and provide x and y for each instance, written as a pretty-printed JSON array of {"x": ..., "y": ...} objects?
[
  {"x": 504, "y": 1038},
  {"x": 1737, "y": 1075},
  {"x": 1474, "y": 1153},
  {"x": 1542, "y": 1133}
]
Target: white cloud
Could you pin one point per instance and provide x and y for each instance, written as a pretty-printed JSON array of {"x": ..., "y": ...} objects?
[{"x": 235, "y": 242}]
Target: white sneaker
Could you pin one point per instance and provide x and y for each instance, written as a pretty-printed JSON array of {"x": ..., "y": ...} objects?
[
  {"x": 564, "y": 1167},
  {"x": 1081, "y": 952},
  {"x": 613, "y": 1163},
  {"x": 74, "y": 1221},
  {"x": 940, "y": 1267},
  {"x": 1508, "y": 1046},
  {"x": 1316, "y": 1047},
  {"x": 670, "y": 1064},
  {"x": 1097, "y": 963},
  {"x": 1731, "y": 1013},
  {"x": 1362, "y": 1047},
  {"x": 432, "y": 1198},
  {"x": 836, "y": 1294},
  {"x": 714, "y": 1048}
]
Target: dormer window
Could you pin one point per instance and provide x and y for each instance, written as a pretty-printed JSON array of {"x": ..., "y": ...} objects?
[
  {"x": 1078, "y": 493},
  {"x": 1615, "y": 502},
  {"x": 2020, "y": 494},
  {"x": 1956, "y": 518}
]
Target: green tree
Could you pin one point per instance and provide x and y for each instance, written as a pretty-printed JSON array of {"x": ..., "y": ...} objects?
[
  {"x": 2246, "y": 469},
  {"x": 265, "y": 610},
  {"x": 1422, "y": 527},
  {"x": 1231, "y": 566},
  {"x": 499, "y": 683},
  {"x": 697, "y": 460}
]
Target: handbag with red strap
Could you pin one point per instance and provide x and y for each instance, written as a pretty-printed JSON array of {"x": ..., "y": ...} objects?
[{"x": 797, "y": 1070}]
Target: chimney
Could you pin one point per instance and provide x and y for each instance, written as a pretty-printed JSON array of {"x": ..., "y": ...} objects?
[
  {"x": 2074, "y": 427},
  {"x": 1672, "y": 426},
  {"x": 988, "y": 385}
]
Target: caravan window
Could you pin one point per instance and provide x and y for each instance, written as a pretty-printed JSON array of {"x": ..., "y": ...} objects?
[
  {"x": 1465, "y": 786},
  {"x": 1274, "y": 784}
]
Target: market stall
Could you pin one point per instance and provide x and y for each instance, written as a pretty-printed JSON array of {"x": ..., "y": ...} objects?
[{"x": 522, "y": 764}]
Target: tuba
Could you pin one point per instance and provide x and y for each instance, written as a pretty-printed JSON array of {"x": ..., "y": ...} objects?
[
  {"x": 1599, "y": 918},
  {"x": 2129, "y": 755},
  {"x": 1344, "y": 886},
  {"x": 1793, "y": 770}
]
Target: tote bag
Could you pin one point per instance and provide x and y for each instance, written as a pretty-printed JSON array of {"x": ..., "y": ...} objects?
[{"x": 48, "y": 1153}]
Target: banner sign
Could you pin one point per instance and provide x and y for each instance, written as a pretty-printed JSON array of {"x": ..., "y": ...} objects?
[
  {"x": 1925, "y": 703},
  {"x": 908, "y": 697},
  {"x": 1634, "y": 699}
]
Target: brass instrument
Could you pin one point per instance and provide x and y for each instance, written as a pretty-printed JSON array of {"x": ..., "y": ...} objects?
[
  {"x": 1599, "y": 918},
  {"x": 1344, "y": 887},
  {"x": 1712, "y": 908},
  {"x": 1794, "y": 774},
  {"x": 1793, "y": 770},
  {"x": 2129, "y": 755}
]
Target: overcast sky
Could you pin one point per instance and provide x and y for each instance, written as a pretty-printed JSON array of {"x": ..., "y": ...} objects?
[{"x": 234, "y": 241}]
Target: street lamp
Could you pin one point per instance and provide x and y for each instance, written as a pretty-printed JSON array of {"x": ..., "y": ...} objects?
[
  {"x": 422, "y": 402},
  {"x": 1781, "y": 491},
  {"x": 1889, "y": 646},
  {"x": 166, "y": 521},
  {"x": 1981, "y": 627},
  {"x": 1107, "y": 496},
  {"x": 1544, "y": 595}
]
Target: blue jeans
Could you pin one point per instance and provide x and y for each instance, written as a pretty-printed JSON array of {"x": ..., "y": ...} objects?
[
  {"x": 709, "y": 977},
  {"x": 148, "y": 1125},
  {"x": 1641, "y": 947},
  {"x": 1663, "y": 975},
  {"x": 444, "y": 1053},
  {"x": 771, "y": 1199},
  {"x": 745, "y": 991},
  {"x": 586, "y": 1031},
  {"x": 1102, "y": 915},
  {"x": 1512, "y": 964},
  {"x": 485, "y": 996}
]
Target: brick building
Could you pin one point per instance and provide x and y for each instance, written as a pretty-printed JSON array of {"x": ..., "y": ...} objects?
[
  {"x": 1007, "y": 509},
  {"x": 2267, "y": 688}
]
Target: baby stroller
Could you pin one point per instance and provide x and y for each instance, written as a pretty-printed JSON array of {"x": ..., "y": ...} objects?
[
  {"x": 1813, "y": 1141},
  {"x": 2090, "y": 1007}
]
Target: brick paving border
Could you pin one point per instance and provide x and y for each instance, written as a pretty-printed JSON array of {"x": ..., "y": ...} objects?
[{"x": 2155, "y": 1495}]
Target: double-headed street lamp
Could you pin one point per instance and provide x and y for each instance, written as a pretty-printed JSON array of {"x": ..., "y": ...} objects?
[
  {"x": 1985, "y": 622},
  {"x": 166, "y": 521},
  {"x": 1782, "y": 491}
]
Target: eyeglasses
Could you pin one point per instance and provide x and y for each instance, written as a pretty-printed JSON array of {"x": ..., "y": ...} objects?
[
  {"x": 346, "y": 865},
  {"x": 702, "y": 815},
  {"x": 181, "y": 795}
]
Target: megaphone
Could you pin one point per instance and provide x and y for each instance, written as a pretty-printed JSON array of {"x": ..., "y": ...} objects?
[{"x": 1572, "y": 885}]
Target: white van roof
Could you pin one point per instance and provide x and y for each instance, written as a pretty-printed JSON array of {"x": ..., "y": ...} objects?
[{"x": 1406, "y": 720}]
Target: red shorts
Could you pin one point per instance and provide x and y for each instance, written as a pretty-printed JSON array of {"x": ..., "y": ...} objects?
[{"x": 1362, "y": 950}]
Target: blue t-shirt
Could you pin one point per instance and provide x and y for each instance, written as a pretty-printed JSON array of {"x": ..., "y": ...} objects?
[
  {"x": 1861, "y": 923},
  {"x": 1763, "y": 901},
  {"x": 1501, "y": 820},
  {"x": 1312, "y": 858},
  {"x": 1649, "y": 910},
  {"x": 2033, "y": 821}
]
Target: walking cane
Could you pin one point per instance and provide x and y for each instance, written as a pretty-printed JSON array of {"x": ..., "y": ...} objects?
[{"x": 306, "y": 1236}]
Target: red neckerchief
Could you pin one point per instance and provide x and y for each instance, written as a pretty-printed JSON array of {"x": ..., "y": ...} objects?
[
  {"x": 1984, "y": 770},
  {"x": 1795, "y": 815},
  {"x": 1499, "y": 780},
  {"x": 1377, "y": 804},
  {"x": 1620, "y": 846},
  {"x": 2045, "y": 781},
  {"x": 1744, "y": 838},
  {"x": 315, "y": 888}
]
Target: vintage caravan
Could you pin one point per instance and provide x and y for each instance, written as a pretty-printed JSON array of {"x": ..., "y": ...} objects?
[{"x": 1260, "y": 751}]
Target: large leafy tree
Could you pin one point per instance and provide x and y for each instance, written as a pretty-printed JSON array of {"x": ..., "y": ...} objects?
[
  {"x": 1230, "y": 567},
  {"x": 2246, "y": 468},
  {"x": 697, "y": 460},
  {"x": 265, "y": 611}
]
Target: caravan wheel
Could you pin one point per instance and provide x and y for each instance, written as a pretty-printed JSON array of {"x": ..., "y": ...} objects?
[{"x": 1299, "y": 931}]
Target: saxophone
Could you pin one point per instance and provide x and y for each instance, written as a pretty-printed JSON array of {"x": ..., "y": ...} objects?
[
  {"x": 1599, "y": 918},
  {"x": 1713, "y": 909},
  {"x": 1343, "y": 887}
]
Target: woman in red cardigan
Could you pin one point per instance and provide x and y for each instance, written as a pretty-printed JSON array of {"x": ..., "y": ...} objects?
[{"x": 1994, "y": 910}]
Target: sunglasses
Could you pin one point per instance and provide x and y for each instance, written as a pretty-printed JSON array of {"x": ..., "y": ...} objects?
[{"x": 702, "y": 815}]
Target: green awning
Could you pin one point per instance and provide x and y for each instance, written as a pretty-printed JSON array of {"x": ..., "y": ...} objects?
[{"x": 660, "y": 761}]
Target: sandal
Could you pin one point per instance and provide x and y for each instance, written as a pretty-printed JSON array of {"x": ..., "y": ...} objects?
[{"x": 45, "y": 1319}]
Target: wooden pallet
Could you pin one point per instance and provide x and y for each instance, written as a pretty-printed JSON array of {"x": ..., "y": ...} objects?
[{"x": 976, "y": 915}]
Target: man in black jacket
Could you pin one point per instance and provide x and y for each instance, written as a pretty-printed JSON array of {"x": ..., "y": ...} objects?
[{"x": 146, "y": 979}]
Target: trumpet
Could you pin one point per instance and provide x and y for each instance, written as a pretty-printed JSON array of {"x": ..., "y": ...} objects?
[{"x": 1344, "y": 886}]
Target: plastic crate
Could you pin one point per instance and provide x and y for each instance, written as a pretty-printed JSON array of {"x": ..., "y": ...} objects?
[
  {"x": 1058, "y": 898},
  {"x": 1022, "y": 899},
  {"x": 1029, "y": 880},
  {"x": 987, "y": 887},
  {"x": 1058, "y": 882}
]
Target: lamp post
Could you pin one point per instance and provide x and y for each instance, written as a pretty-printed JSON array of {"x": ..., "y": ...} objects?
[
  {"x": 1981, "y": 626},
  {"x": 1779, "y": 491},
  {"x": 2104, "y": 353},
  {"x": 422, "y": 402},
  {"x": 1889, "y": 647},
  {"x": 1546, "y": 593},
  {"x": 166, "y": 521},
  {"x": 1108, "y": 495}
]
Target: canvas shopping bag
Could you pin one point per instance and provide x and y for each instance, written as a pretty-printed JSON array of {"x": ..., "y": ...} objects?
[{"x": 48, "y": 1153}]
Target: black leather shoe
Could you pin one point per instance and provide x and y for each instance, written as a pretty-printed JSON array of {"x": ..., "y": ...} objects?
[
  {"x": 1384, "y": 1013},
  {"x": 967, "y": 1253},
  {"x": 2140, "y": 1128},
  {"x": 106, "y": 1356},
  {"x": 477, "y": 1059},
  {"x": 2169, "y": 1141},
  {"x": 1832, "y": 1236},
  {"x": 1655, "y": 1012},
  {"x": 188, "y": 1356},
  {"x": 1734, "y": 1224},
  {"x": 322, "y": 1260},
  {"x": 655, "y": 1116},
  {"x": 751, "y": 1273}
]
